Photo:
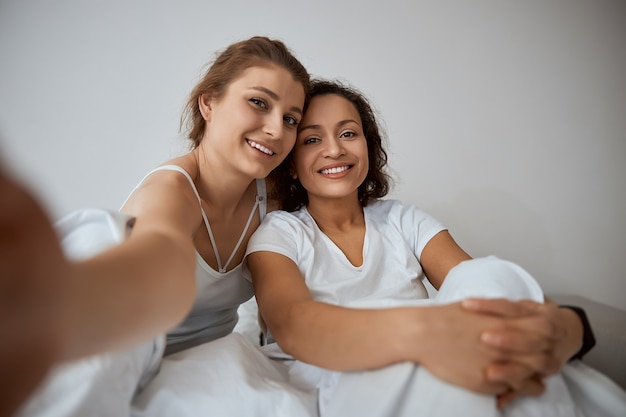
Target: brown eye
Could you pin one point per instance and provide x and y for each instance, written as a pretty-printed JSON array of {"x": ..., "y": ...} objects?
[{"x": 308, "y": 141}]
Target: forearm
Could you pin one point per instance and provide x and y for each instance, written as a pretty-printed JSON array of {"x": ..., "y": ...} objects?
[
  {"x": 346, "y": 339},
  {"x": 443, "y": 339},
  {"x": 129, "y": 293}
]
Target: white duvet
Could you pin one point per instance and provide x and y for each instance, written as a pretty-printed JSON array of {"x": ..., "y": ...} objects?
[{"x": 233, "y": 376}]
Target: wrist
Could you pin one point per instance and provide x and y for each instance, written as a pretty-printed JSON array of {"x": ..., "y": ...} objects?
[
  {"x": 423, "y": 327},
  {"x": 585, "y": 337}
]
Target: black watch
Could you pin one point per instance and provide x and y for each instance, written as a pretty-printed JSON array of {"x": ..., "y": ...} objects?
[{"x": 589, "y": 340}]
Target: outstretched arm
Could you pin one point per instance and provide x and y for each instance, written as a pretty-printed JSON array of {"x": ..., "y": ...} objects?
[
  {"x": 145, "y": 285},
  {"x": 129, "y": 293},
  {"x": 33, "y": 313}
]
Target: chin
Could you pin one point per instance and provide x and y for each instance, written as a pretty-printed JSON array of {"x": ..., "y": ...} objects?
[{"x": 260, "y": 173}]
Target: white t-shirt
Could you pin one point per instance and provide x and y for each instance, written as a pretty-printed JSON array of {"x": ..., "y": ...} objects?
[{"x": 391, "y": 273}]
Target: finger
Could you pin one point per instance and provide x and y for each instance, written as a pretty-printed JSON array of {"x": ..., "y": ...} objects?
[
  {"x": 501, "y": 307},
  {"x": 539, "y": 317},
  {"x": 544, "y": 364},
  {"x": 533, "y": 388},
  {"x": 515, "y": 341},
  {"x": 502, "y": 400},
  {"x": 528, "y": 330},
  {"x": 515, "y": 375}
]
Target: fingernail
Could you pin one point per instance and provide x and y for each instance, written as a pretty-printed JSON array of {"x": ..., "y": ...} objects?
[
  {"x": 489, "y": 338},
  {"x": 470, "y": 303}
]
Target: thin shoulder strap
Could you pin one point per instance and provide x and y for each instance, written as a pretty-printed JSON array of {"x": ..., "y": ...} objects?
[
  {"x": 261, "y": 192},
  {"x": 260, "y": 202},
  {"x": 195, "y": 191},
  {"x": 167, "y": 168}
]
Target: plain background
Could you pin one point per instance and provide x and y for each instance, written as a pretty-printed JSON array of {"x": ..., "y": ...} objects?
[{"x": 506, "y": 119}]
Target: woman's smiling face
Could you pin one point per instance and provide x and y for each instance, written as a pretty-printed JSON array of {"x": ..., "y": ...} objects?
[
  {"x": 253, "y": 125},
  {"x": 330, "y": 157}
]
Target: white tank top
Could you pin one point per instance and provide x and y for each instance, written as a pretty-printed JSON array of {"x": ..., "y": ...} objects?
[{"x": 218, "y": 293}]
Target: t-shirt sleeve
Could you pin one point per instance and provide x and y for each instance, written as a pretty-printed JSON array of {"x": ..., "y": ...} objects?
[
  {"x": 417, "y": 226},
  {"x": 277, "y": 233}
]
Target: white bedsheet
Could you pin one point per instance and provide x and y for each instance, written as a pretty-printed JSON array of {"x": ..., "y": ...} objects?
[
  {"x": 232, "y": 376},
  {"x": 227, "y": 377}
]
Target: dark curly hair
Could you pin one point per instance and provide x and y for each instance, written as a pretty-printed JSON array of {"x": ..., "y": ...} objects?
[{"x": 290, "y": 193}]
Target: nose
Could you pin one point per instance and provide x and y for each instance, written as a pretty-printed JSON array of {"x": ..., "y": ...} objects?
[
  {"x": 273, "y": 126},
  {"x": 334, "y": 148}
]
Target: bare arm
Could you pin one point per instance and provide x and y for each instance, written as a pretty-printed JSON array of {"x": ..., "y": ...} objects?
[
  {"x": 439, "y": 256},
  {"x": 53, "y": 310},
  {"x": 145, "y": 285},
  {"x": 530, "y": 328},
  {"x": 442, "y": 338},
  {"x": 132, "y": 292},
  {"x": 323, "y": 334},
  {"x": 135, "y": 290},
  {"x": 32, "y": 306}
]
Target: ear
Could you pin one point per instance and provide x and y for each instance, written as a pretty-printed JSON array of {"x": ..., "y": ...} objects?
[
  {"x": 292, "y": 171},
  {"x": 204, "y": 104}
]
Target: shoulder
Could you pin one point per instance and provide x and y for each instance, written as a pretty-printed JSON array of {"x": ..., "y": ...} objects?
[
  {"x": 168, "y": 188},
  {"x": 295, "y": 219},
  {"x": 284, "y": 225},
  {"x": 384, "y": 209},
  {"x": 404, "y": 216},
  {"x": 177, "y": 171},
  {"x": 281, "y": 232}
]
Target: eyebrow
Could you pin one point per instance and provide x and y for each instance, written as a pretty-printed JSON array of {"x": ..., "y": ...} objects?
[
  {"x": 275, "y": 96},
  {"x": 340, "y": 124}
]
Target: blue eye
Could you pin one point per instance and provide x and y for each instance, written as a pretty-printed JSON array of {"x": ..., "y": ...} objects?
[
  {"x": 258, "y": 102},
  {"x": 290, "y": 120}
]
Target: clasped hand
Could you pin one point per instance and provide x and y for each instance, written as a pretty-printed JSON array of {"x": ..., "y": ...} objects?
[{"x": 498, "y": 346}]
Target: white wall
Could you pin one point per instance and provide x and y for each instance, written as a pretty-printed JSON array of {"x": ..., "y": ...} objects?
[{"x": 507, "y": 119}]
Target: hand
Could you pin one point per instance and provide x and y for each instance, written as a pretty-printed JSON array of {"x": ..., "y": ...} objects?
[
  {"x": 32, "y": 307},
  {"x": 451, "y": 349},
  {"x": 533, "y": 387},
  {"x": 541, "y": 335},
  {"x": 538, "y": 337}
]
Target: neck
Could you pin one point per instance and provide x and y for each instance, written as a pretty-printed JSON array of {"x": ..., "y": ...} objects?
[
  {"x": 336, "y": 214},
  {"x": 218, "y": 184}
]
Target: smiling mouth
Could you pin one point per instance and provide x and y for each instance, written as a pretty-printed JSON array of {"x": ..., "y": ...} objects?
[
  {"x": 260, "y": 147},
  {"x": 335, "y": 170}
]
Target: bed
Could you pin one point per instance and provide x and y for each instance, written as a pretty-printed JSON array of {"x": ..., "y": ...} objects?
[
  {"x": 232, "y": 376},
  {"x": 235, "y": 376},
  {"x": 281, "y": 396}
]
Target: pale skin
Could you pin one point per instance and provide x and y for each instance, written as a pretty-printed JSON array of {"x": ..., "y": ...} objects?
[
  {"x": 490, "y": 346},
  {"x": 145, "y": 286}
]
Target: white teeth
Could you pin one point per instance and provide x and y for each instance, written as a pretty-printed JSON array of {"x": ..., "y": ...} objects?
[
  {"x": 335, "y": 170},
  {"x": 260, "y": 147}
]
